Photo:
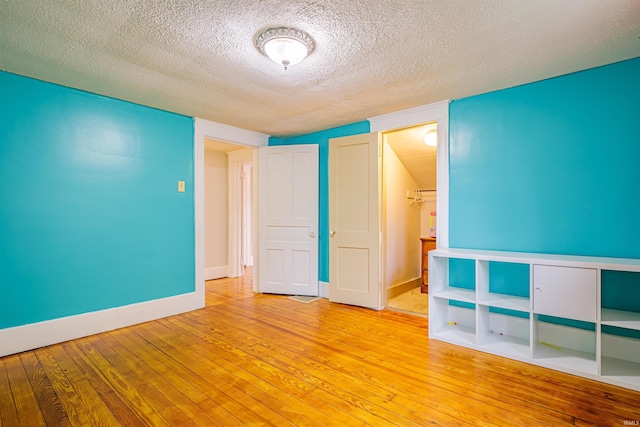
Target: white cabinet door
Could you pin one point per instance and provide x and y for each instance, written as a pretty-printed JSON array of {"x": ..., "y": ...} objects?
[{"x": 565, "y": 292}]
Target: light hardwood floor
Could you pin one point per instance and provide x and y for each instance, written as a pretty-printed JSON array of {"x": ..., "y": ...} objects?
[{"x": 267, "y": 360}]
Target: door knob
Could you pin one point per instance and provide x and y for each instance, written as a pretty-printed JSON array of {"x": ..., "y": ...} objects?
[
  {"x": 332, "y": 232},
  {"x": 312, "y": 234}
]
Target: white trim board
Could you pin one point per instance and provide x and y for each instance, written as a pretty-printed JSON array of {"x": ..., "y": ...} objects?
[
  {"x": 410, "y": 117},
  {"x": 218, "y": 272},
  {"x": 225, "y": 133},
  {"x": 34, "y": 335},
  {"x": 323, "y": 288},
  {"x": 400, "y": 288}
]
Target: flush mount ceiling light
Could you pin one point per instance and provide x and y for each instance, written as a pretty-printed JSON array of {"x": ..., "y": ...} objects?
[
  {"x": 431, "y": 138},
  {"x": 284, "y": 45}
]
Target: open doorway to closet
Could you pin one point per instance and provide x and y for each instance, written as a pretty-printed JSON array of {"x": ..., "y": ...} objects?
[{"x": 410, "y": 214}]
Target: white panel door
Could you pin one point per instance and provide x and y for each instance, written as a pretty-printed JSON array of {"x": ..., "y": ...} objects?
[
  {"x": 354, "y": 220},
  {"x": 288, "y": 219}
]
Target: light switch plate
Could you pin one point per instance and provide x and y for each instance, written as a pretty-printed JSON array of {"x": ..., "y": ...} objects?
[{"x": 181, "y": 186}]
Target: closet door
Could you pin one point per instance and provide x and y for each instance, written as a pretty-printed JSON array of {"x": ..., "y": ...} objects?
[{"x": 354, "y": 220}]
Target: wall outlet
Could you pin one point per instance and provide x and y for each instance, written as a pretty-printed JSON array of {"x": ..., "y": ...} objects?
[{"x": 180, "y": 186}]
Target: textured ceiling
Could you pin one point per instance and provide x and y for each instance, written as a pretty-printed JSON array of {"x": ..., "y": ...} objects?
[{"x": 196, "y": 57}]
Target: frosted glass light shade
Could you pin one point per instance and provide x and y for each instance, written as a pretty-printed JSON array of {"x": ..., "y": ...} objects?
[
  {"x": 284, "y": 45},
  {"x": 285, "y": 51},
  {"x": 431, "y": 138}
]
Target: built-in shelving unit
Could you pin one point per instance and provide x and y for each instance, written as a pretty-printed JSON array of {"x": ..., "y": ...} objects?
[{"x": 568, "y": 313}]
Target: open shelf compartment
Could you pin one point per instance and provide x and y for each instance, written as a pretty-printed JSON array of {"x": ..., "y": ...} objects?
[
  {"x": 620, "y": 299},
  {"x": 621, "y": 318},
  {"x": 460, "y": 283},
  {"x": 454, "y": 321},
  {"x": 621, "y": 354},
  {"x": 565, "y": 343},
  {"x": 504, "y": 331},
  {"x": 505, "y": 285}
]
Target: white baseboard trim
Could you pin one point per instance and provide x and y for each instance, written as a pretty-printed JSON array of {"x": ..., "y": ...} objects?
[
  {"x": 324, "y": 289},
  {"x": 35, "y": 335},
  {"x": 215, "y": 272},
  {"x": 401, "y": 288}
]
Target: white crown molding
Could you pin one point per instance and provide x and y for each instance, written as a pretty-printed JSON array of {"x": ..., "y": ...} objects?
[
  {"x": 225, "y": 133},
  {"x": 35, "y": 335},
  {"x": 410, "y": 117}
]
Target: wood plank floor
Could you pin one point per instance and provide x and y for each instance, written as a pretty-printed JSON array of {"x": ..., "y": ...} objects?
[{"x": 259, "y": 360}]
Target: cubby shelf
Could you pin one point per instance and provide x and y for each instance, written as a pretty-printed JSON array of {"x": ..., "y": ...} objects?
[
  {"x": 621, "y": 318},
  {"x": 457, "y": 294},
  {"x": 621, "y": 370},
  {"x": 567, "y": 359},
  {"x": 506, "y": 344},
  {"x": 457, "y": 333},
  {"x": 508, "y": 302},
  {"x": 535, "y": 322},
  {"x": 620, "y": 357}
]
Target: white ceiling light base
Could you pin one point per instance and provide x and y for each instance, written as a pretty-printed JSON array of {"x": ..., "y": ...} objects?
[{"x": 284, "y": 45}]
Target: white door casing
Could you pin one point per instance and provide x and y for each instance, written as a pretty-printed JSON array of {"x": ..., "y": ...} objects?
[
  {"x": 288, "y": 219},
  {"x": 436, "y": 112},
  {"x": 354, "y": 220},
  {"x": 247, "y": 217}
]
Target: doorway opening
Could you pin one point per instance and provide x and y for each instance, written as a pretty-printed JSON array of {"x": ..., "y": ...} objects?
[
  {"x": 228, "y": 206},
  {"x": 241, "y": 213},
  {"x": 242, "y": 208},
  {"x": 409, "y": 214}
]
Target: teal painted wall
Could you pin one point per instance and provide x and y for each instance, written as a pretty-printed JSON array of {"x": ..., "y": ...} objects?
[
  {"x": 462, "y": 273},
  {"x": 509, "y": 278},
  {"x": 620, "y": 290},
  {"x": 90, "y": 216},
  {"x": 549, "y": 167},
  {"x": 322, "y": 139}
]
